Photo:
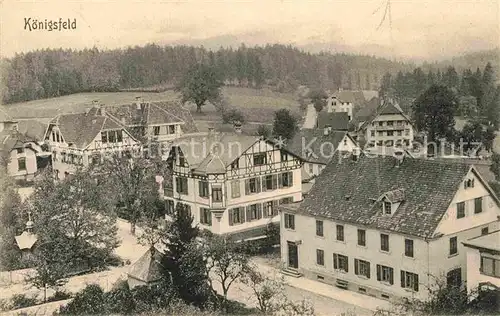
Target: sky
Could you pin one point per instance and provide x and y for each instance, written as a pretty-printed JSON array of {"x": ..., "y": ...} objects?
[{"x": 421, "y": 29}]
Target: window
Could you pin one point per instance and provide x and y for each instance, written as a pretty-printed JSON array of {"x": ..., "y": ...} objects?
[
  {"x": 270, "y": 209},
  {"x": 484, "y": 231},
  {"x": 407, "y": 132},
  {"x": 287, "y": 179},
  {"x": 490, "y": 266},
  {"x": 112, "y": 136},
  {"x": 169, "y": 207},
  {"x": 171, "y": 129},
  {"x": 289, "y": 221},
  {"x": 380, "y": 123},
  {"x": 361, "y": 237},
  {"x": 362, "y": 268},
  {"x": 384, "y": 242},
  {"x": 259, "y": 159},
  {"x": 182, "y": 160},
  {"x": 387, "y": 208},
  {"x": 181, "y": 185},
  {"x": 203, "y": 188},
  {"x": 380, "y": 133},
  {"x": 235, "y": 164},
  {"x": 385, "y": 274},
  {"x": 311, "y": 168},
  {"x": 399, "y": 133},
  {"x": 119, "y": 136},
  {"x": 205, "y": 216},
  {"x": 372, "y": 133},
  {"x": 340, "y": 232},
  {"x": 185, "y": 208},
  {"x": 20, "y": 150},
  {"x": 235, "y": 188},
  {"x": 284, "y": 155},
  {"x": 409, "y": 248},
  {"x": 156, "y": 130},
  {"x": 399, "y": 123},
  {"x": 340, "y": 262},
  {"x": 21, "y": 164},
  {"x": 460, "y": 209},
  {"x": 409, "y": 280},
  {"x": 59, "y": 139},
  {"x": 104, "y": 137},
  {"x": 390, "y": 123},
  {"x": 320, "y": 257},
  {"x": 453, "y": 246},
  {"x": 236, "y": 216},
  {"x": 254, "y": 212},
  {"x": 252, "y": 185},
  {"x": 319, "y": 228},
  {"x": 478, "y": 205},
  {"x": 270, "y": 182},
  {"x": 469, "y": 183},
  {"x": 217, "y": 194}
]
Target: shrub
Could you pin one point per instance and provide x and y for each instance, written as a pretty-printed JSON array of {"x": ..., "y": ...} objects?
[
  {"x": 21, "y": 301},
  {"x": 59, "y": 296},
  {"x": 89, "y": 301},
  {"x": 120, "y": 299},
  {"x": 233, "y": 115}
]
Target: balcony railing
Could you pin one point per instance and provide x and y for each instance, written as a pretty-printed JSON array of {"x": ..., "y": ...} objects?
[{"x": 390, "y": 128}]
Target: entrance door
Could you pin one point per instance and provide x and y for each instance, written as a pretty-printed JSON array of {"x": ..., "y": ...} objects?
[{"x": 293, "y": 258}]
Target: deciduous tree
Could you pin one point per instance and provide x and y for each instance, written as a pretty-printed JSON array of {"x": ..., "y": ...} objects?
[
  {"x": 285, "y": 125},
  {"x": 200, "y": 84}
]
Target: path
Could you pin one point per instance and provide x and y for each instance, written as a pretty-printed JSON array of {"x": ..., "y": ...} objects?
[{"x": 310, "y": 118}]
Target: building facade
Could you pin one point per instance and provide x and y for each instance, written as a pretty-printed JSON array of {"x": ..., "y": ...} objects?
[
  {"x": 387, "y": 227},
  {"x": 345, "y": 101},
  {"x": 483, "y": 261},
  {"x": 233, "y": 186},
  {"x": 388, "y": 126}
]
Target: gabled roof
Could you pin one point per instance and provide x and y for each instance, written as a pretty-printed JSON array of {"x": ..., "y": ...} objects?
[
  {"x": 395, "y": 196},
  {"x": 355, "y": 97},
  {"x": 147, "y": 268},
  {"x": 488, "y": 241},
  {"x": 26, "y": 240},
  {"x": 336, "y": 120},
  {"x": 387, "y": 108},
  {"x": 364, "y": 111},
  {"x": 314, "y": 139},
  {"x": 80, "y": 129},
  {"x": 12, "y": 139},
  {"x": 346, "y": 191}
]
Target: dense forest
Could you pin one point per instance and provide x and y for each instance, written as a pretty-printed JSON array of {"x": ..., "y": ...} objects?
[{"x": 55, "y": 72}]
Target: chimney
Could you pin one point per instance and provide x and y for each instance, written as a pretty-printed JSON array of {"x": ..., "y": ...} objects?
[
  {"x": 399, "y": 155},
  {"x": 355, "y": 154},
  {"x": 237, "y": 127},
  {"x": 102, "y": 110},
  {"x": 138, "y": 102},
  {"x": 95, "y": 103}
]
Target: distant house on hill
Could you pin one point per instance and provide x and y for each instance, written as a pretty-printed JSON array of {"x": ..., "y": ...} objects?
[
  {"x": 21, "y": 145},
  {"x": 345, "y": 101}
]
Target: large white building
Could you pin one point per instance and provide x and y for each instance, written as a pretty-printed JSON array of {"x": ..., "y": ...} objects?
[
  {"x": 232, "y": 183},
  {"x": 345, "y": 101},
  {"x": 387, "y": 226}
]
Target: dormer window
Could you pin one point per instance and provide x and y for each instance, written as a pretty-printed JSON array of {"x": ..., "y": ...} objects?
[
  {"x": 469, "y": 183},
  {"x": 387, "y": 208}
]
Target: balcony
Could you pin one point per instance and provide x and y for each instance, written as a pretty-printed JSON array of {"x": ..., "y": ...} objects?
[
  {"x": 217, "y": 205},
  {"x": 389, "y": 128}
]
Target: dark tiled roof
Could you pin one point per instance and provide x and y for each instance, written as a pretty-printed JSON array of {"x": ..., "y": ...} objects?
[
  {"x": 11, "y": 139},
  {"x": 346, "y": 191},
  {"x": 177, "y": 110},
  {"x": 32, "y": 128},
  {"x": 316, "y": 138},
  {"x": 364, "y": 111},
  {"x": 387, "y": 108},
  {"x": 355, "y": 97},
  {"x": 336, "y": 120}
]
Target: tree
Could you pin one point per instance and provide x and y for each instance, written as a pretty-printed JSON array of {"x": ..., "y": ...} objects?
[
  {"x": 268, "y": 292},
  {"x": 467, "y": 106},
  {"x": 51, "y": 258},
  {"x": 71, "y": 214},
  {"x": 182, "y": 261},
  {"x": 285, "y": 125},
  {"x": 472, "y": 133},
  {"x": 226, "y": 263},
  {"x": 200, "y": 84},
  {"x": 318, "y": 98},
  {"x": 264, "y": 131},
  {"x": 433, "y": 112},
  {"x": 132, "y": 179},
  {"x": 232, "y": 116},
  {"x": 386, "y": 86},
  {"x": 495, "y": 165}
]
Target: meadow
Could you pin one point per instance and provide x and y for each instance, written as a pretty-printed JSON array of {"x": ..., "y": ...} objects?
[{"x": 256, "y": 105}]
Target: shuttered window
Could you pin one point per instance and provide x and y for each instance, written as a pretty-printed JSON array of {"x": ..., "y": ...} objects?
[{"x": 385, "y": 274}]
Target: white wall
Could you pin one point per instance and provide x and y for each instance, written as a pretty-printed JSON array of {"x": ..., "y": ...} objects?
[{"x": 474, "y": 276}]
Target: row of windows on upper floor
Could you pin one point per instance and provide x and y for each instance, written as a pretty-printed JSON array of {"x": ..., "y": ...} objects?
[
  {"x": 391, "y": 123},
  {"x": 169, "y": 129},
  {"x": 252, "y": 185},
  {"x": 478, "y": 207},
  {"x": 361, "y": 234},
  {"x": 258, "y": 159},
  {"x": 362, "y": 268},
  {"x": 389, "y": 133},
  {"x": 237, "y": 215}
]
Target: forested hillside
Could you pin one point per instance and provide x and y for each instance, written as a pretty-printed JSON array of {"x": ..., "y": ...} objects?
[
  {"x": 55, "y": 72},
  {"x": 50, "y": 73}
]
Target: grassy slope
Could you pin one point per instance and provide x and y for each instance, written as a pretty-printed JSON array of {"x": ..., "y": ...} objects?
[{"x": 257, "y": 105}]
